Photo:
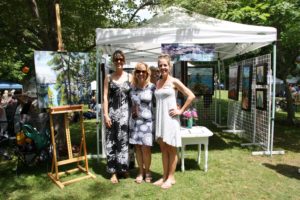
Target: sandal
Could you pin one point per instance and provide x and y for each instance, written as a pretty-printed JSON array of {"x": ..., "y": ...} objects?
[
  {"x": 139, "y": 179},
  {"x": 148, "y": 178}
]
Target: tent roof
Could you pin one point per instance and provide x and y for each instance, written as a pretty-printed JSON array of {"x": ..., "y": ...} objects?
[
  {"x": 4, "y": 85},
  {"x": 175, "y": 25}
]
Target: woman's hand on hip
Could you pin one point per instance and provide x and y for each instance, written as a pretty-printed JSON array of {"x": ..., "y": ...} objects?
[{"x": 174, "y": 112}]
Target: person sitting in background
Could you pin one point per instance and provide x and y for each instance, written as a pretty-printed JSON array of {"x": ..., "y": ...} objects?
[{"x": 91, "y": 113}]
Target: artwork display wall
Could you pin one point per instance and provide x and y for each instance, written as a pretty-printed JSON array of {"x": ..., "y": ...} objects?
[{"x": 63, "y": 78}]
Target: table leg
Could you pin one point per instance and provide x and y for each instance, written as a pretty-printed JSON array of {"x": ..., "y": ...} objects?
[
  {"x": 182, "y": 158},
  {"x": 206, "y": 156},
  {"x": 199, "y": 154}
]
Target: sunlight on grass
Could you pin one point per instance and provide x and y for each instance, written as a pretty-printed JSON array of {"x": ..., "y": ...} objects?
[{"x": 233, "y": 173}]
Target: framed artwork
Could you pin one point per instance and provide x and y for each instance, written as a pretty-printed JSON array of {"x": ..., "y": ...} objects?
[
  {"x": 261, "y": 74},
  {"x": 62, "y": 78},
  {"x": 234, "y": 80},
  {"x": 246, "y": 87},
  {"x": 201, "y": 80},
  {"x": 261, "y": 99}
]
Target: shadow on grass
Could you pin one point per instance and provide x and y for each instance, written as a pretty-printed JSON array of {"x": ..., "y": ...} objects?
[
  {"x": 286, "y": 170},
  {"x": 99, "y": 168},
  {"x": 189, "y": 164},
  {"x": 24, "y": 179}
]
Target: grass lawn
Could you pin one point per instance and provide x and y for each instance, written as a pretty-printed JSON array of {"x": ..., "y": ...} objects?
[{"x": 233, "y": 173}]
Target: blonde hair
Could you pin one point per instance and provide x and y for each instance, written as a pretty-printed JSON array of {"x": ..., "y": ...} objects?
[
  {"x": 134, "y": 79},
  {"x": 167, "y": 57}
]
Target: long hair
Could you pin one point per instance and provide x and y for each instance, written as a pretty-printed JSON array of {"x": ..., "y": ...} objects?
[
  {"x": 134, "y": 80},
  {"x": 167, "y": 58}
]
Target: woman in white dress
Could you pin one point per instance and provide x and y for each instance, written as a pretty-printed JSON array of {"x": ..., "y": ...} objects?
[{"x": 167, "y": 123}]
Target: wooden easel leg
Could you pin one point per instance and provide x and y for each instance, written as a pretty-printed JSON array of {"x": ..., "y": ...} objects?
[{"x": 54, "y": 158}]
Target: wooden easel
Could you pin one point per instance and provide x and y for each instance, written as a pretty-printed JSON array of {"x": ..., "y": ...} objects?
[{"x": 55, "y": 174}]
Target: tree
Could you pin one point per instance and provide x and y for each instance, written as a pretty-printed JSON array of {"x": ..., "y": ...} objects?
[
  {"x": 30, "y": 25},
  {"x": 283, "y": 15}
]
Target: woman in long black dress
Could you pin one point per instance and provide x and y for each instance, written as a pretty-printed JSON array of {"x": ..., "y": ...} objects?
[{"x": 116, "y": 117}]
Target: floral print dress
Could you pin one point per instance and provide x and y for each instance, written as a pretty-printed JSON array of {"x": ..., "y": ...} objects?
[
  {"x": 117, "y": 146},
  {"x": 141, "y": 126}
]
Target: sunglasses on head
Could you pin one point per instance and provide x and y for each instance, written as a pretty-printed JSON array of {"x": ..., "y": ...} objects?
[{"x": 140, "y": 71}]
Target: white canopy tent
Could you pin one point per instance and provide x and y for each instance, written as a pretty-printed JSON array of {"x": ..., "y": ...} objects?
[{"x": 176, "y": 25}]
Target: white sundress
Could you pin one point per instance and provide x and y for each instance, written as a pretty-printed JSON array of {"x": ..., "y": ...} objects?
[{"x": 167, "y": 127}]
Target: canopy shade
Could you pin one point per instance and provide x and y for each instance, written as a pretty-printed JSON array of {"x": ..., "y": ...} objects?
[
  {"x": 175, "y": 25},
  {"x": 4, "y": 85}
]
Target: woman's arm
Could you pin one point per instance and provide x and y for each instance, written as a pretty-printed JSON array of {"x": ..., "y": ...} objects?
[
  {"x": 107, "y": 119},
  {"x": 186, "y": 92}
]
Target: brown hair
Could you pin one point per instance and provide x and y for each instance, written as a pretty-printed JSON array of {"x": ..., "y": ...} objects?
[
  {"x": 134, "y": 80},
  {"x": 117, "y": 54}
]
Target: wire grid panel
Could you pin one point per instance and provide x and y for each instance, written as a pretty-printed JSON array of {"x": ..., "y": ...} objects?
[
  {"x": 234, "y": 111},
  {"x": 254, "y": 122},
  {"x": 206, "y": 110}
]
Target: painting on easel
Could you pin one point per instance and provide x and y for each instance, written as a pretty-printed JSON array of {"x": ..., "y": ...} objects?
[{"x": 63, "y": 78}]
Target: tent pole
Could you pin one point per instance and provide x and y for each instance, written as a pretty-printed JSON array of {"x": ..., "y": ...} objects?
[
  {"x": 273, "y": 99},
  {"x": 218, "y": 86},
  {"x": 98, "y": 57}
]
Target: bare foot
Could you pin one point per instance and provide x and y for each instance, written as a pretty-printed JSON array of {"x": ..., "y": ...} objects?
[
  {"x": 167, "y": 184},
  {"x": 159, "y": 182},
  {"x": 114, "y": 179},
  {"x": 139, "y": 179}
]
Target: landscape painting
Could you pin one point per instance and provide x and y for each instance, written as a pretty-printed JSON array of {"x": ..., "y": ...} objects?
[
  {"x": 234, "y": 79},
  {"x": 201, "y": 80},
  {"x": 63, "y": 78}
]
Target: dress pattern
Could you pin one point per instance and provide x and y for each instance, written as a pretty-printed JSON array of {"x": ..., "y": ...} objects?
[
  {"x": 167, "y": 127},
  {"x": 117, "y": 149},
  {"x": 141, "y": 126}
]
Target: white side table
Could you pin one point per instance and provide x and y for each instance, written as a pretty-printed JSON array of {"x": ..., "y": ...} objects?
[{"x": 196, "y": 135}]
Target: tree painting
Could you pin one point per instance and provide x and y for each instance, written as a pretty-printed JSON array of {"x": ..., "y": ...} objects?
[{"x": 64, "y": 76}]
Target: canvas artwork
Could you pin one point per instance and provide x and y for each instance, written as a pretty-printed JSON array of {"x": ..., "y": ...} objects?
[
  {"x": 234, "y": 79},
  {"x": 261, "y": 99},
  {"x": 261, "y": 74},
  {"x": 201, "y": 80},
  {"x": 63, "y": 78},
  {"x": 246, "y": 87},
  {"x": 190, "y": 52}
]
